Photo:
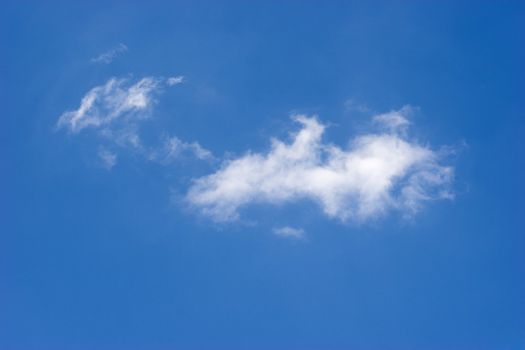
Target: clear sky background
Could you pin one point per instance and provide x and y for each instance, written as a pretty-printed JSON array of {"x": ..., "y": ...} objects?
[{"x": 100, "y": 249}]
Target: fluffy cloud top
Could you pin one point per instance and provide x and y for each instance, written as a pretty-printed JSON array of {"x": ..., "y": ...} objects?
[{"x": 377, "y": 172}]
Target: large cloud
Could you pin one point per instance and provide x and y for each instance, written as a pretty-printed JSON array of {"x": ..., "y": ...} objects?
[{"x": 376, "y": 173}]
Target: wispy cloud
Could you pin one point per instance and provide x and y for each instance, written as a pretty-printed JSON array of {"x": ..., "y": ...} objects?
[
  {"x": 109, "y": 159},
  {"x": 106, "y": 104},
  {"x": 394, "y": 121},
  {"x": 289, "y": 232},
  {"x": 116, "y": 110},
  {"x": 175, "y": 80},
  {"x": 174, "y": 146},
  {"x": 108, "y": 56},
  {"x": 351, "y": 105},
  {"x": 376, "y": 173}
]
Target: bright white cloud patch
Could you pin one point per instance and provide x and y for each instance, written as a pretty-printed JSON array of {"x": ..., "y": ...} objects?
[
  {"x": 289, "y": 232},
  {"x": 109, "y": 56},
  {"x": 376, "y": 173}
]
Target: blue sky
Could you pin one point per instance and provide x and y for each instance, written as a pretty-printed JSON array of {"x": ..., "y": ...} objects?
[{"x": 284, "y": 175}]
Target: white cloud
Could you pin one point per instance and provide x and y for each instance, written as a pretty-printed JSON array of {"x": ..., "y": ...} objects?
[
  {"x": 289, "y": 232},
  {"x": 175, "y": 80},
  {"x": 113, "y": 101},
  {"x": 376, "y": 173},
  {"x": 109, "y": 159},
  {"x": 108, "y": 56},
  {"x": 394, "y": 121},
  {"x": 117, "y": 108}
]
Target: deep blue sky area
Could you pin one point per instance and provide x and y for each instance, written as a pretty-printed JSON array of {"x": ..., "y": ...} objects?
[{"x": 95, "y": 257}]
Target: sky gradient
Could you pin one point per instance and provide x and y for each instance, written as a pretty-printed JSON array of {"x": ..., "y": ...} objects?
[{"x": 272, "y": 175}]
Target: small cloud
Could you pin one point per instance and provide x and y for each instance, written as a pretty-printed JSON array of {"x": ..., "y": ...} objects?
[
  {"x": 199, "y": 151},
  {"x": 173, "y": 148},
  {"x": 108, "y": 56},
  {"x": 116, "y": 110},
  {"x": 116, "y": 100},
  {"x": 289, "y": 232},
  {"x": 106, "y": 104},
  {"x": 109, "y": 159},
  {"x": 351, "y": 105},
  {"x": 175, "y": 80}
]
